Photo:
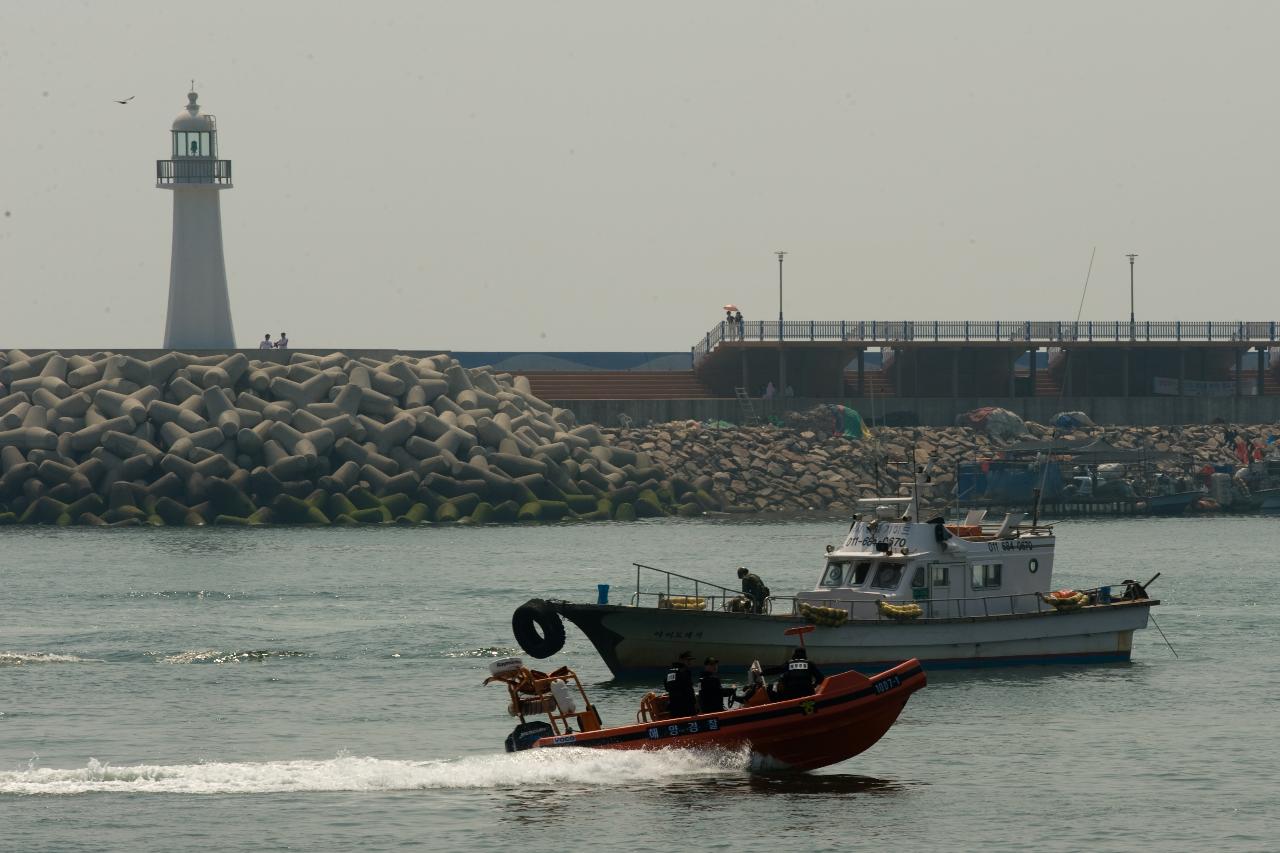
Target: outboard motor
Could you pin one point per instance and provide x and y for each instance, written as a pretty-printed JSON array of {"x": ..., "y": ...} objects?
[{"x": 526, "y": 735}]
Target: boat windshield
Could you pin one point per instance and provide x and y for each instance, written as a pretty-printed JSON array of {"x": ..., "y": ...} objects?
[
  {"x": 845, "y": 573},
  {"x": 888, "y": 575},
  {"x": 835, "y": 573}
]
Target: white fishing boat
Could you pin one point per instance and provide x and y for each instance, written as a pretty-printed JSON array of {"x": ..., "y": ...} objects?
[{"x": 952, "y": 595}]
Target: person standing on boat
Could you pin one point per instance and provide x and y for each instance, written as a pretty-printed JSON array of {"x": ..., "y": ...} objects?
[
  {"x": 680, "y": 699},
  {"x": 754, "y": 589},
  {"x": 800, "y": 678},
  {"x": 711, "y": 694}
]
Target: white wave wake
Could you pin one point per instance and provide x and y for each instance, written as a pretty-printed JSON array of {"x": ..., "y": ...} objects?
[
  {"x": 26, "y": 658},
  {"x": 535, "y": 768}
]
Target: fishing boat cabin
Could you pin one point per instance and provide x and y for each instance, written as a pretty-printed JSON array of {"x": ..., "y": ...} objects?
[{"x": 975, "y": 568}]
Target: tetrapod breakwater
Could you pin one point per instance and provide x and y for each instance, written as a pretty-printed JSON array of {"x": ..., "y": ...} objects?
[{"x": 109, "y": 439}]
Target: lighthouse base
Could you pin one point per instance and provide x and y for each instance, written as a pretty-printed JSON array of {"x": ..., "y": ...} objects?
[{"x": 199, "y": 315}]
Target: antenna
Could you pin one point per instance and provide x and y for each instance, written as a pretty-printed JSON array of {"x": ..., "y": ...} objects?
[
  {"x": 1038, "y": 493},
  {"x": 915, "y": 476}
]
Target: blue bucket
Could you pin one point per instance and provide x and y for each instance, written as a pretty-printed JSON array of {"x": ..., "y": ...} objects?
[
  {"x": 602, "y": 593},
  {"x": 1104, "y": 595}
]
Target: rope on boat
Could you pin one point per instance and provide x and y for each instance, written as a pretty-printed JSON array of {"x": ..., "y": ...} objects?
[{"x": 1152, "y": 616}]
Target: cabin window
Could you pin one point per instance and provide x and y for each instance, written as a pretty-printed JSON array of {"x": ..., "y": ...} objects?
[
  {"x": 940, "y": 577},
  {"x": 986, "y": 575},
  {"x": 835, "y": 573},
  {"x": 918, "y": 579},
  {"x": 860, "y": 573},
  {"x": 887, "y": 576}
]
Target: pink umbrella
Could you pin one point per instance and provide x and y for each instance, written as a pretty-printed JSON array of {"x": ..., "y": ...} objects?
[{"x": 731, "y": 307}]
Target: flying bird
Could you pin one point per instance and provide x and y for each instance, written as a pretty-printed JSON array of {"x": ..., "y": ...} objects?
[{"x": 127, "y": 100}]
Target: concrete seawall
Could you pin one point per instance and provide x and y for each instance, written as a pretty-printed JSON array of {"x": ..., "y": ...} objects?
[{"x": 906, "y": 411}]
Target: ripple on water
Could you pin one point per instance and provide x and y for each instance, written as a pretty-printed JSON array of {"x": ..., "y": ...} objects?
[
  {"x": 219, "y": 656},
  {"x": 29, "y": 658},
  {"x": 484, "y": 652}
]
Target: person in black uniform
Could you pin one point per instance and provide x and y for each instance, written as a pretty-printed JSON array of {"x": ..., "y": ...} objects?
[
  {"x": 680, "y": 698},
  {"x": 801, "y": 678},
  {"x": 753, "y": 588},
  {"x": 711, "y": 694}
]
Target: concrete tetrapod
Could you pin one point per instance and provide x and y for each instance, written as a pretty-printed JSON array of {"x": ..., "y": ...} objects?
[{"x": 182, "y": 439}]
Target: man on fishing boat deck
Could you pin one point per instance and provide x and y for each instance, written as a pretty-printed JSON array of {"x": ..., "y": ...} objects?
[{"x": 753, "y": 588}]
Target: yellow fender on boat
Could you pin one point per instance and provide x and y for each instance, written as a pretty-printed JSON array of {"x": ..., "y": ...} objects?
[
  {"x": 901, "y": 612},
  {"x": 682, "y": 602},
  {"x": 825, "y": 617}
]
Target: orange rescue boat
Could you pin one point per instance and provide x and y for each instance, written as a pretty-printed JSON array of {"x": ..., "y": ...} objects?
[{"x": 845, "y": 716}]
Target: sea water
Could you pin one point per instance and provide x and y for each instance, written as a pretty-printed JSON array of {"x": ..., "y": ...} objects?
[{"x": 290, "y": 689}]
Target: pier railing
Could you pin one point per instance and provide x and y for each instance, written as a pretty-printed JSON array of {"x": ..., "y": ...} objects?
[{"x": 1042, "y": 332}]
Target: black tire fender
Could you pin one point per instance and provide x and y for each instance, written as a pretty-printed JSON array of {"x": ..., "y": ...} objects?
[{"x": 538, "y": 628}]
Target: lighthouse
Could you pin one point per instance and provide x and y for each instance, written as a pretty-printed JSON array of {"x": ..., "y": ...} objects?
[{"x": 199, "y": 315}]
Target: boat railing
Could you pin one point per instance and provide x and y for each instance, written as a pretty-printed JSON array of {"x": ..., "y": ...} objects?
[
  {"x": 864, "y": 609},
  {"x": 681, "y": 592}
]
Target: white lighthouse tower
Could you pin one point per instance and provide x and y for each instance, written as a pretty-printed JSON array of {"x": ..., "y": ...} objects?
[{"x": 199, "y": 308}]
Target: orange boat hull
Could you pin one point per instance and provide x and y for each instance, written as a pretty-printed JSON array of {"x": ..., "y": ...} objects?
[{"x": 845, "y": 717}]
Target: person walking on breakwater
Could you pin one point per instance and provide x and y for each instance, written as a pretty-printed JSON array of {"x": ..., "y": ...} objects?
[
  {"x": 754, "y": 589},
  {"x": 283, "y": 341},
  {"x": 265, "y": 343},
  {"x": 680, "y": 699},
  {"x": 711, "y": 694}
]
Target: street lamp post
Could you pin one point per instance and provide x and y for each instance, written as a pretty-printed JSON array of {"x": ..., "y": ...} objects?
[
  {"x": 1132, "y": 326},
  {"x": 782, "y": 351},
  {"x": 780, "y": 256}
]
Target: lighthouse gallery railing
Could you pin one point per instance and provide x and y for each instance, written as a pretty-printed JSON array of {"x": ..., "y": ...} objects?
[{"x": 193, "y": 171}]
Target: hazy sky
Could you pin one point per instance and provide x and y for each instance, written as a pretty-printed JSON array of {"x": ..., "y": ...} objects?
[{"x": 591, "y": 176}]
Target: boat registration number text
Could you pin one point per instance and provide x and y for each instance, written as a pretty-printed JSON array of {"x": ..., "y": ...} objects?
[
  {"x": 886, "y": 684},
  {"x": 1011, "y": 545},
  {"x": 891, "y": 541}
]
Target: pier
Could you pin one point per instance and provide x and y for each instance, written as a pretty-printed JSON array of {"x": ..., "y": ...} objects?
[{"x": 995, "y": 358}]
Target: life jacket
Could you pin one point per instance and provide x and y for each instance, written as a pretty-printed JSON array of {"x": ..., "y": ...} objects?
[
  {"x": 797, "y": 680},
  {"x": 681, "y": 698}
]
